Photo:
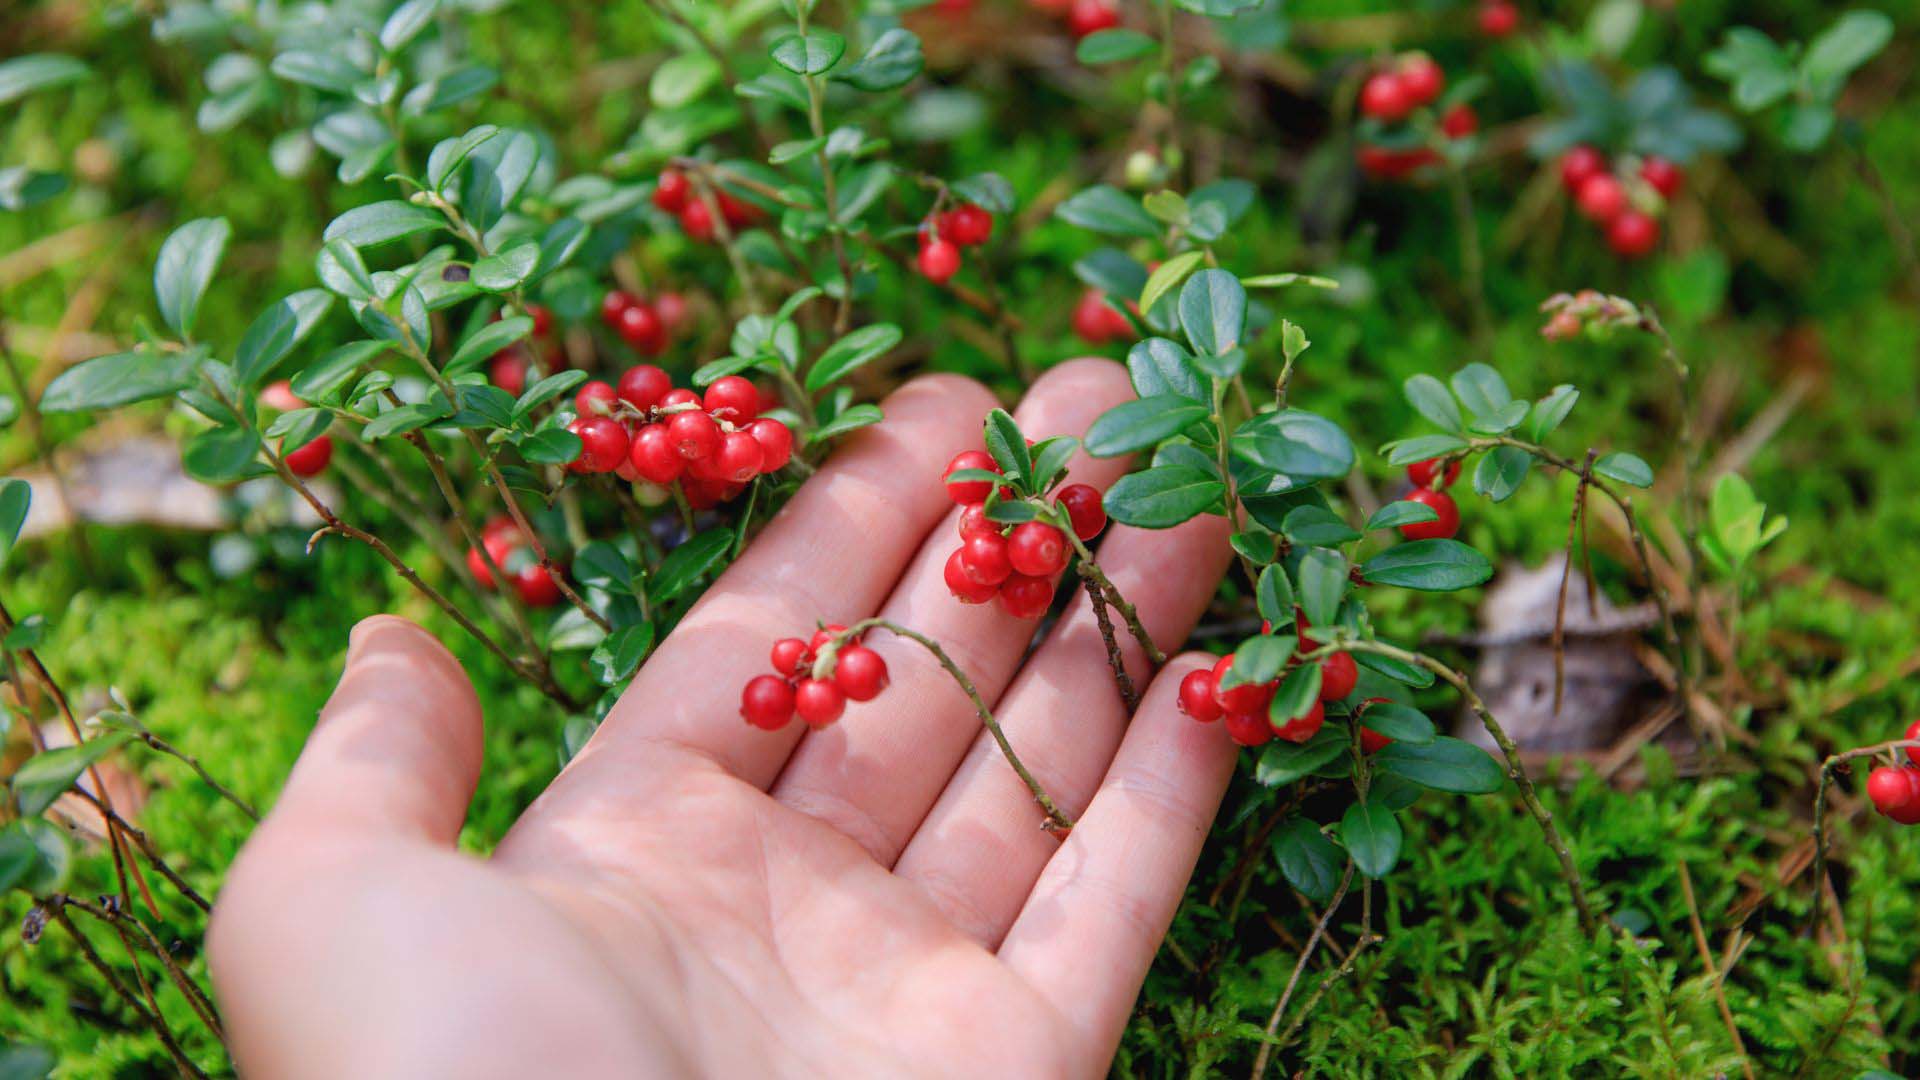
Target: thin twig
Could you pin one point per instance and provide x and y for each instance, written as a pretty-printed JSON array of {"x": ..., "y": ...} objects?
[
  {"x": 156, "y": 1023},
  {"x": 1300, "y": 966},
  {"x": 1713, "y": 970},
  {"x": 1114, "y": 660},
  {"x": 1574, "y": 521}
]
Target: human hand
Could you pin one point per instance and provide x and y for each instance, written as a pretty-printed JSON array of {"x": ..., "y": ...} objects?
[{"x": 695, "y": 895}]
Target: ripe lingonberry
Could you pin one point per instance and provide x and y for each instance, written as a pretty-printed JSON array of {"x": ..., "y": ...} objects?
[
  {"x": 1097, "y": 321},
  {"x": 542, "y": 317},
  {"x": 612, "y": 304},
  {"x": 1244, "y": 698},
  {"x": 974, "y": 522},
  {"x": 738, "y": 212},
  {"x": 694, "y": 434},
  {"x": 776, "y": 443},
  {"x": 860, "y": 673},
  {"x": 967, "y": 225},
  {"x": 643, "y": 385},
  {"x": 963, "y": 587},
  {"x": 1372, "y": 741},
  {"x": 818, "y": 702},
  {"x": 679, "y": 395},
  {"x": 311, "y": 459},
  {"x": 1301, "y": 728},
  {"x": 1889, "y": 788},
  {"x": 696, "y": 220},
  {"x": 1384, "y": 96},
  {"x": 739, "y": 457},
  {"x": 733, "y": 399},
  {"x": 1421, "y": 79},
  {"x": 1459, "y": 121},
  {"x": 1633, "y": 234},
  {"x": 983, "y": 556},
  {"x": 1601, "y": 198},
  {"x": 1912, "y": 734},
  {"x": 670, "y": 193},
  {"x": 499, "y": 545},
  {"x": 1579, "y": 165},
  {"x": 1026, "y": 597},
  {"x": 603, "y": 444},
  {"x": 939, "y": 260},
  {"x": 507, "y": 369},
  {"x": 1338, "y": 676},
  {"x": 536, "y": 587},
  {"x": 1662, "y": 176},
  {"x": 1084, "y": 510},
  {"x": 966, "y": 492},
  {"x": 640, "y": 328},
  {"x": 1196, "y": 696},
  {"x": 1498, "y": 18},
  {"x": 595, "y": 398},
  {"x": 1037, "y": 549},
  {"x": 1300, "y": 628},
  {"x": 1421, "y": 474},
  {"x": 1440, "y": 528},
  {"x": 1091, "y": 16},
  {"x": 1249, "y": 729},
  {"x": 787, "y": 655},
  {"x": 672, "y": 309},
  {"x": 654, "y": 456},
  {"x": 767, "y": 702}
]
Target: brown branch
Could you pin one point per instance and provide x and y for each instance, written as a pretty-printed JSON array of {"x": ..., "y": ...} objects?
[
  {"x": 1574, "y": 521},
  {"x": 1118, "y": 663},
  {"x": 153, "y": 1020},
  {"x": 1713, "y": 970},
  {"x": 1299, "y": 967}
]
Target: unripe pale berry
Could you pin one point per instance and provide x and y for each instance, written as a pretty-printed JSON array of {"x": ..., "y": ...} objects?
[
  {"x": 1196, "y": 696},
  {"x": 1442, "y": 527}
]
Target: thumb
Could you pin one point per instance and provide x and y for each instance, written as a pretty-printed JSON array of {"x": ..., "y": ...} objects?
[{"x": 397, "y": 748}]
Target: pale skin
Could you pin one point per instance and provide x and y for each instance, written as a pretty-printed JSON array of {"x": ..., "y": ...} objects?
[{"x": 694, "y": 896}]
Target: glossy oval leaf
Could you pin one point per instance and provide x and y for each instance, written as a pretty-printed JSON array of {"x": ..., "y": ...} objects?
[
  {"x": 1143, "y": 422},
  {"x": 1429, "y": 566},
  {"x": 1162, "y": 497}
]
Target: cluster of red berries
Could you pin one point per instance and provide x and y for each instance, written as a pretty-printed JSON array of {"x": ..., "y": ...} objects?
[
  {"x": 645, "y": 325},
  {"x": 674, "y": 193},
  {"x": 815, "y": 685},
  {"x": 1623, "y": 203},
  {"x": 645, "y": 428},
  {"x": 507, "y": 369},
  {"x": 1395, "y": 94},
  {"x": 514, "y": 556},
  {"x": 1245, "y": 705},
  {"x": 1082, "y": 17},
  {"x": 1497, "y": 18},
  {"x": 1895, "y": 789},
  {"x": 1016, "y": 563},
  {"x": 944, "y": 234},
  {"x": 311, "y": 459},
  {"x": 1097, "y": 321},
  {"x": 1429, "y": 484}
]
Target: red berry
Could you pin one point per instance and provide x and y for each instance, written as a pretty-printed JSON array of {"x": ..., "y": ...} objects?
[
  {"x": 499, "y": 546},
  {"x": 1498, "y": 18},
  {"x": 739, "y": 458},
  {"x": 1422, "y": 80},
  {"x": 738, "y": 212},
  {"x": 1889, "y": 788},
  {"x": 1249, "y": 729},
  {"x": 1084, "y": 510},
  {"x": 1421, "y": 473},
  {"x": 1633, "y": 235},
  {"x": 965, "y": 492},
  {"x": 767, "y": 702},
  {"x": 1300, "y": 628},
  {"x": 1579, "y": 165},
  {"x": 1244, "y": 698},
  {"x": 311, "y": 459},
  {"x": 967, "y": 225},
  {"x": 696, "y": 220},
  {"x": 1026, "y": 597},
  {"x": 671, "y": 192},
  {"x": 536, "y": 587},
  {"x": 1910, "y": 813},
  {"x": 694, "y": 434},
  {"x": 542, "y": 317},
  {"x": 654, "y": 456},
  {"x": 1037, "y": 549},
  {"x": 672, "y": 309},
  {"x": 279, "y": 395},
  {"x": 1601, "y": 198},
  {"x": 974, "y": 522},
  {"x": 1459, "y": 121},
  {"x": 595, "y": 398},
  {"x": 818, "y": 702},
  {"x": 1912, "y": 734},
  {"x": 787, "y": 654},
  {"x": 1372, "y": 741},
  {"x": 776, "y": 444},
  {"x": 679, "y": 395},
  {"x": 1094, "y": 319},
  {"x": 640, "y": 327},
  {"x": 1338, "y": 676},
  {"x": 1442, "y": 527},
  {"x": 733, "y": 398},
  {"x": 1662, "y": 176},
  {"x": 1384, "y": 96},
  {"x": 823, "y": 635},
  {"x": 983, "y": 556},
  {"x": 964, "y": 588},
  {"x": 1196, "y": 696},
  {"x": 860, "y": 673},
  {"x": 613, "y": 304},
  {"x": 1089, "y": 16},
  {"x": 643, "y": 386},
  {"x": 1301, "y": 728},
  {"x": 500, "y": 527},
  {"x": 939, "y": 260},
  {"x": 603, "y": 444},
  {"x": 507, "y": 369}
]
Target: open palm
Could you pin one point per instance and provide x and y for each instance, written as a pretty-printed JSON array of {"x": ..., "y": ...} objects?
[{"x": 693, "y": 895}]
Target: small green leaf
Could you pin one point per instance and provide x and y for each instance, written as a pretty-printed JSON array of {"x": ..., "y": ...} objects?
[
  {"x": 889, "y": 63},
  {"x": 1323, "y": 583},
  {"x": 405, "y": 24},
  {"x": 1428, "y": 565},
  {"x": 383, "y": 222},
  {"x": 1372, "y": 836},
  {"x": 1258, "y": 660},
  {"x": 487, "y": 339},
  {"x": 507, "y": 270},
  {"x": 602, "y": 565},
  {"x": 1403, "y": 512},
  {"x": 343, "y": 271},
  {"x": 1550, "y": 411},
  {"x": 34, "y": 858},
  {"x": 1445, "y": 764},
  {"x": 221, "y": 455},
  {"x": 1213, "y": 311},
  {"x": 1296, "y": 444},
  {"x": 1317, "y": 526},
  {"x": 277, "y": 331},
  {"x": 857, "y": 416},
  {"x": 852, "y": 352},
  {"x": 1480, "y": 389},
  {"x": 1143, "y": 422},
  {"x": 1501, "y": 472},
  {"x": 1310, "y": 861},
  {"x": 548, "y": 446},
  {"x": 1169, "y": 275},
  {"x": 1626, "y": 468},
  {"x": 687, "y": 564},
  {"x": 1299, "y": 692},
  {"x": 185, "y": 268},
  {"x": 1106, "y": 209},
  {"x": 1281, "y": 281},
  {"x": 1401, "y": 723},
  {"x": 45, "y": 776},
  {"x": 1159, "y": 366},
  {"x": 1422, "y": 448},
  {"x": 34, "y": 72},
  {"x": 680, "y": 80},
  {"x": 16, "y": 498},
  {"x": 1854, "y": 38},
  {"x": 546, "y": 390},
  {"x": 1431, "y": 399},
  {"x": 619, "y": 654},
  {"x": 1162, "y": 497},
  {"x": 1113, "y": 45},
  {"x": 1285, "y": 762},
  {"x": 812, "y": 53},
  {"x": 1008, "y": 446}
]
